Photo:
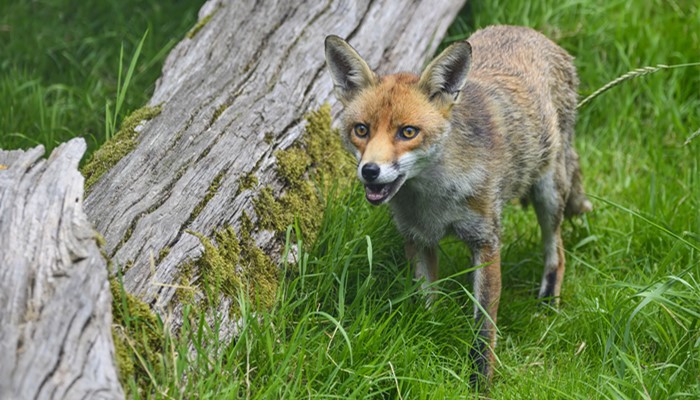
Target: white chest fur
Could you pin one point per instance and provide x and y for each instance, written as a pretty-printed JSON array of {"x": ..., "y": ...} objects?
[{"x": 434, "y": 204}]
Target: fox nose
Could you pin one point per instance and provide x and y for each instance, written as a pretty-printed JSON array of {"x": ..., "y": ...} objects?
[{"x": 370, "y": 171}]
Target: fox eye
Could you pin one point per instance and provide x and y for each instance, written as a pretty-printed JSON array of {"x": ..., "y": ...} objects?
[
  {"x": 361, "y": 130},
  {"x": 408, "y": 132}
]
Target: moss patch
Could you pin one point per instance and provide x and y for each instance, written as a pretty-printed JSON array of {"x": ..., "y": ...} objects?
[
  {"x": 138, "y": 336},
  {"x": 292, "y": 165},
  {"x": 302, "y": 203},
  {"x": 248, "y": 182},
  {"x": 162, "y": 254},
  {"x": 260, "y": 274},
  {"x": 319, "y": 156},
  {"x": 229, "y": 265},
  {"x": 219, "y": 110},
  {"x": 330, "y": 159},
  {"x": 121, "y": 144},
  {"x": 184, "y": 294},
  {"x": 217, "y": 264},
  {"x": 124, "y": 356}
]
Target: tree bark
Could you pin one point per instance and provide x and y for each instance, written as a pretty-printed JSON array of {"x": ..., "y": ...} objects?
[
  {"x": 233, "y": 94},
  {"x": 55, "y": 302}
]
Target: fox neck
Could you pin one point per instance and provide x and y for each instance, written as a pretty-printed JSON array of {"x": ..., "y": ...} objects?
[{"x": 440, "y": 182}]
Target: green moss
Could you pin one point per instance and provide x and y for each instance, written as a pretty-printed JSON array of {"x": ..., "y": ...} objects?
[
  {"x": 330, "y": 159},
  {"x": 184, "y": 294},
  {"x": 302, "y": 203},
  {"x": 261, "y": 275},
  {"x": 121, "y": 144},
  {"x": 138, "y": 335},
  {"x": 229, "y": 265},
  {"x": 220, "y": 110},
  {"x": 200, "y": 24},
  {"x": 307, "y": 207},
  {"x": 292, "y": 165},
  {"x": 319, "y": 156},
  {"x": 123, "y": 355},
  {"x": 246, "y": 182},
  {"x": 271, "y": 215},
  {"x": 217, "y": 265},
  {"x": 162, "y": 254}
]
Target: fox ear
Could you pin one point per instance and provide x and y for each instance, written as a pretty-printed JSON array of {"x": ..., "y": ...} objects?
[
  {"x": 349, "y": 71},
  {"x": 445, "y": 76}
]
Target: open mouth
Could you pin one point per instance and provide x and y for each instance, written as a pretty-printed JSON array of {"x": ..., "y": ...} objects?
[{"x": 383, "y": 192}]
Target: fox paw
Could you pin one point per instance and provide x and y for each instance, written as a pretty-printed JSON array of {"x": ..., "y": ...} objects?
[{"x": 578, "y": 205}]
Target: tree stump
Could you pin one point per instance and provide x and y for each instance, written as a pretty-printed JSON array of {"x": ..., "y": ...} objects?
[
  {"x": 55, "y": 315},
  {"x": 233, "y": 94}
]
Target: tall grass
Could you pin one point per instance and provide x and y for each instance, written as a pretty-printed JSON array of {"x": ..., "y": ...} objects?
[
  {"x": 112, "y": 116},
  {"x": 351, "y": 323},
  {"x": 59, "y": 64}
]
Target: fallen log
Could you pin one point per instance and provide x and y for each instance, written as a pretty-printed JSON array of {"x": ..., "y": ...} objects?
[
  {"x": 220, "y": 147},
  {"x": 55, "y": 301}
]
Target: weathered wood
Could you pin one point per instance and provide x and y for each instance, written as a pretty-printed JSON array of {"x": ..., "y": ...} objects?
[
  {"x": 55, "y": 302},
  {"x": 231, "y": 96}
]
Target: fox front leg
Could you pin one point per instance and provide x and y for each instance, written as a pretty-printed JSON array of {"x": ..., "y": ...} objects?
[
  {"x": 425, "y": 264},
  {"x": 487, "y": 291}
]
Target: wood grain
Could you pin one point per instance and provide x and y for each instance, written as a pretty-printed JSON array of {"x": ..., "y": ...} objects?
[{"x": 55, "y": 302}]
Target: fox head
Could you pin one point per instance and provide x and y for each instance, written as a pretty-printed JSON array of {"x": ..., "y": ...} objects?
[{"x": 395, "y": 123}]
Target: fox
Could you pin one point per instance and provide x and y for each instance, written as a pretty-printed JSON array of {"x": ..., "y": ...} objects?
[{"x": 488, "y": 121}]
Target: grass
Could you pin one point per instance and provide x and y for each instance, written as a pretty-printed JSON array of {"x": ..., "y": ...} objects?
[
  {"x": 350, "y": 322},
  {"x": 60, "y": 63}
]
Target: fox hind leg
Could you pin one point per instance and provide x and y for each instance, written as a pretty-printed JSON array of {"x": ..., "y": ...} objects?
[
  {"x": 487, "y": 290},
  {"x": 577, "y": 202},
  {"x": 548, "y": 198}
]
